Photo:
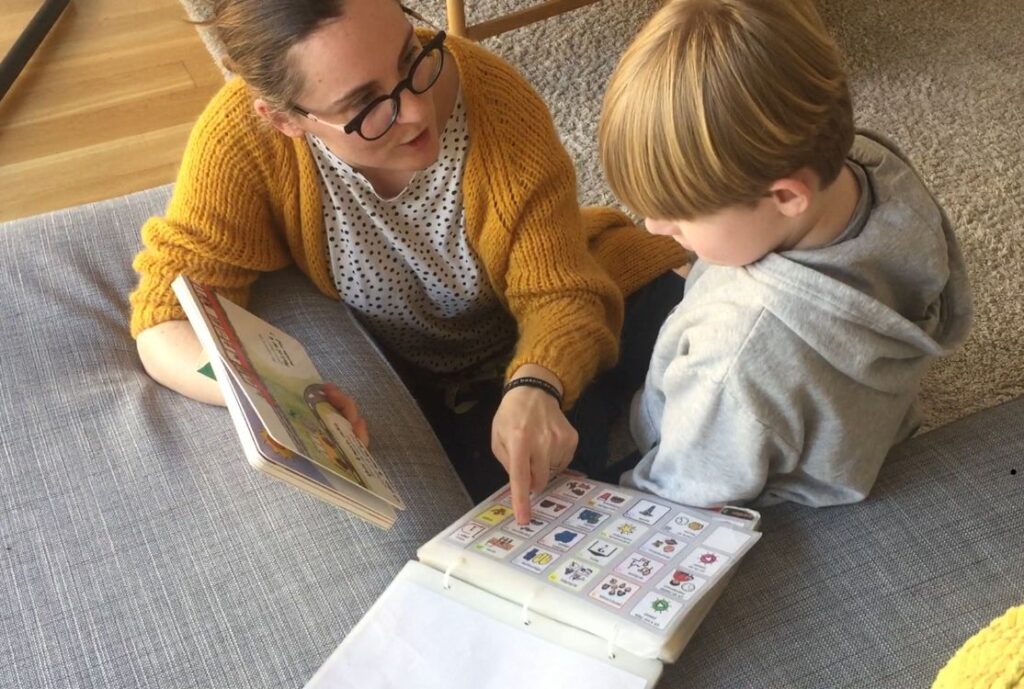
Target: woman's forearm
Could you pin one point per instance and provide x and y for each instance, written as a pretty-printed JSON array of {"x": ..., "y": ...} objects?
[{"x": 172, "y": 356}]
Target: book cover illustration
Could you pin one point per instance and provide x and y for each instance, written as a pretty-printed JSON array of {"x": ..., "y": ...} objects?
[{"x": 292, "y": 422}]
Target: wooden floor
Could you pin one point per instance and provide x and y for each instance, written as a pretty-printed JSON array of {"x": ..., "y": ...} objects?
[{"x": 105, "y": 105}]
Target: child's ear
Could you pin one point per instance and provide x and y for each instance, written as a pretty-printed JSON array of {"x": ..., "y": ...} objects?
[
  {"x": 792, "y": 195},
  {"x": 281, "y": 121}
]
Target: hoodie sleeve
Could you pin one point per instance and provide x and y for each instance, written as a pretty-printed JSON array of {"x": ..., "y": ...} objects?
[{"x": 712, "y": 449}]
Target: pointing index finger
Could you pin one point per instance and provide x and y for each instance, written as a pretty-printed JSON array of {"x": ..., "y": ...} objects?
[{"x": 519, "y": 478}]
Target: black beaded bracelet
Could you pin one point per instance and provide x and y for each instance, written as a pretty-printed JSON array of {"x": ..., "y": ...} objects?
[{"x": 532, "y": 382}]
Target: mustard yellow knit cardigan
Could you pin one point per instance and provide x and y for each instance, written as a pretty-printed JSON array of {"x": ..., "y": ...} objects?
[{"x": 247, "y": 200}]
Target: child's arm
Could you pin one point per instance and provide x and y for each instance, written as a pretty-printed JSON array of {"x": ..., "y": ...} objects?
[{"x": 711, "y": 450}]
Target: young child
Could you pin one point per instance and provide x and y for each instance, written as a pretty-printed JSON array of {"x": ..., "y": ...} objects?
[{"x": 827, "y": 275}]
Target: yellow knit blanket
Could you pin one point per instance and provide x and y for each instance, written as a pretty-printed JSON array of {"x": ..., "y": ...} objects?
[{"x": 991, "y": 659}]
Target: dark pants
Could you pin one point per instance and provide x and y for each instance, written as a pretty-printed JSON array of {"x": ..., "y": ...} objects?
[{"x": 466, "y": 437}]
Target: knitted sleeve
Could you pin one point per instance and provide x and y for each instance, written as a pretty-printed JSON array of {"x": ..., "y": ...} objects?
[
  {"x": 219, "y": 228},
  {"x": 519, "y": 192}
]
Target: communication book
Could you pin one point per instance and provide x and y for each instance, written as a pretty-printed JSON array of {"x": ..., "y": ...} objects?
[
  {"x": 598, "y": 590},
  {"x": 276, "y": 400}
]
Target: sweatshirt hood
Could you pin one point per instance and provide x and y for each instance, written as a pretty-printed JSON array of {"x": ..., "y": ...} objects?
[{"x": 895, "y": 290}]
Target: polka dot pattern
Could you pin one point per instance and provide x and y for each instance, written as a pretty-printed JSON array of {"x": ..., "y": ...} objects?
[{"x": 404, "y": 264}]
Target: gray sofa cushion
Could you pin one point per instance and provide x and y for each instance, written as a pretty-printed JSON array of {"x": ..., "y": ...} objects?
[{"x": 137, "y": 547}]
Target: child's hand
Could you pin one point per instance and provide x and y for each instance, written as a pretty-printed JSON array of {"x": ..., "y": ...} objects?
[{"x": 347, "y": 406}]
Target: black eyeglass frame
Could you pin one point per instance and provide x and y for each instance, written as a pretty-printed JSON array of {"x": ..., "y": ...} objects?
[{"x": 356, "y": 123}]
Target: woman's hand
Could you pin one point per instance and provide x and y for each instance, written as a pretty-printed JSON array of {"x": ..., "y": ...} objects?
[
  {"x": 347, "y": 407},
  {"x": 531, "y": 438}
]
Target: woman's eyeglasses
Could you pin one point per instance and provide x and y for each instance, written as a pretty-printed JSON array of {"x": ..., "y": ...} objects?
[{"x": 377, "y": 118}]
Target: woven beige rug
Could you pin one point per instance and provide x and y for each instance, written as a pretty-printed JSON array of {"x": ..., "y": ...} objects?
[{"x": 945, "y": 80}]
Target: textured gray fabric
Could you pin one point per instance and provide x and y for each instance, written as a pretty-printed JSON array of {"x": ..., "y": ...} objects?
[
  {"x": 137, "y": 547},
  {"x": 882, "y": 593}
]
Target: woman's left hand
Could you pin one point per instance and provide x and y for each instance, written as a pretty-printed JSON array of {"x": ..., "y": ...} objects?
[
  {"x": 531, "y": 438},
  {"x": 348, "y": 408}
]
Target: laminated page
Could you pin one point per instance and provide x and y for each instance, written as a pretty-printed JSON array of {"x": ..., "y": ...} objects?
[
  {"x": 628, "y": 567},
  {"x": 429, "y": 632}
]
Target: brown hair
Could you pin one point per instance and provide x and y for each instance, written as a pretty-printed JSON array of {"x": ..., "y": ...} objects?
[
  {"x": 717, "y": 99},
  {"x": 257, "y": 36}
]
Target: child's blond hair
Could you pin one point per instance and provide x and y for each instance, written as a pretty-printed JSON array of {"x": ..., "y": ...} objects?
[{"x": 717, "y": 99}]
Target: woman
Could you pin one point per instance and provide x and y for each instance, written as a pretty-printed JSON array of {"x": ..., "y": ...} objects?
[{"x": 420, "y": 180}]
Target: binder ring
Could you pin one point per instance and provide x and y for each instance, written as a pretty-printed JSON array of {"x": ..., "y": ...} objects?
[
  {"x": 446, "y": 582},
  {"x": 611, "y": 642},
  {"x": 526, "y": 611}
]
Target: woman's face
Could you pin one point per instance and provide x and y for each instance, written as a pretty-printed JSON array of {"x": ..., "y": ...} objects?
[{"x": 348, "y": 62}]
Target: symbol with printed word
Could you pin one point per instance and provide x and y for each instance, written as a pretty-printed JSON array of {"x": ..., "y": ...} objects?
[
  {"x": 574, "y": 488},
  {"x": 656, "y": 610},
  {"x": 624, "y": 531},
  {"x": 704, "y": 561},
  {"x": 467, "y": 533},
  {"x": 682, "y": 583},
  {"x": 504, "y": 497},
  {"x": 530, "y": 529},
  {"x": 551, "y": 506},
  {"x": 573, "y": 574},
  {"x": 647, "y": 512},
  {"x": 685, "y": 525},
  {"x": 536, "y": 559},
  {"x": 662, "y": 546},
  {"x": 614, "y": 591},
  {"x": 639, "y": 567},
  {"x": 586, "y": 519},
  {"x": 608, "y": 500},
  {"x": 561, "y": 538},
  {"x": 499, "y": 545},
  {"x": 495, "y": 514},
  {"x": 599, "y": 552}
]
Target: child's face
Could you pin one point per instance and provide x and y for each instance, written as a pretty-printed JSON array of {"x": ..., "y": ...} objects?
[{"x": 735, "y": 236}]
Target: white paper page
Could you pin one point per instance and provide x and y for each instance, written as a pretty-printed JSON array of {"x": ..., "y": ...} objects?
[{"x": 416, "y": 638}]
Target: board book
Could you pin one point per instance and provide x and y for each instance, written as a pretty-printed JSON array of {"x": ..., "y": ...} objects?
[
  {"x": 603, "y": 586},
  {"x": 276, "y": 399}
]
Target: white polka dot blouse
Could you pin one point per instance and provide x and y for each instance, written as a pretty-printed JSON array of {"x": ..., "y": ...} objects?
[{"x": 404, "y": 264}]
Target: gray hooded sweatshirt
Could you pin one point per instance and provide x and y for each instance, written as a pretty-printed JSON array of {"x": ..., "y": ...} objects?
[{"x": 792, "y": 377}]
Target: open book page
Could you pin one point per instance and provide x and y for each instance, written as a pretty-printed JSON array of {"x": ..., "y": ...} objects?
[
  {"x": 421, "y": 634},
  {"x": 281, "y": 387},
  {"x": 281, "y": 463},
  {"x": 622, "y": 565}
]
